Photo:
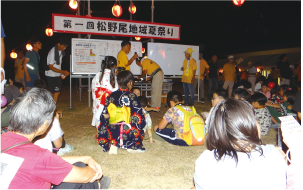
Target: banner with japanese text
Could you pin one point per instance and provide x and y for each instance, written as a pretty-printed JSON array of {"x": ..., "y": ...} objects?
[{"x": 114, "y": 27}]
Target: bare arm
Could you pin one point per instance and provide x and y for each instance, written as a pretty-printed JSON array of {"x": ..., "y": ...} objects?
[
  {"x": 152, "y": 109},
  {"x": 58, "y": 142},
  {"x": 273, "y": 105},
  {"x": 131, "y": 60},
  {"x": 143, "y": 74},
  {"x": 83, "y": 175},
  {"x": 25, "y": 69},
  {"x": 64, "y": 72},
  {"x": 193, "y": 79},
  {"x": 161, "y": 125}
]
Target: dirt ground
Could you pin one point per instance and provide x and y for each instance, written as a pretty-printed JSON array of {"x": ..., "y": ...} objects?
[{"x": 162, "y": 166}]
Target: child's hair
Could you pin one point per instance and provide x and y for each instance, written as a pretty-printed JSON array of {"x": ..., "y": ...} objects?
[
  {"x": 124, "y": 77},
  {"x": 247, "y": 84},
  {"x": 221, "y": 92},
  {"x": 143, "y": 101},
  {"x": 242, "y": 93},
  {"x": 109, "y": 62},
  {"x": 262, "y": 78},
  {"x": 18, "y": 85},
  {"x": 259, "y": 97},
  {"x": 135, "y": 88},
  {"x": 291, "y": 96},
  {"x": 174, "y": 96},
  {"x": 264, "y": 84},
  {"x": 39, "y": 83},
  {"x": 284, "y": 87}
]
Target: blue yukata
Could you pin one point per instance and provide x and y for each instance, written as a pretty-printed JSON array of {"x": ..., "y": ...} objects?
[{"x": 124, "y": 127}]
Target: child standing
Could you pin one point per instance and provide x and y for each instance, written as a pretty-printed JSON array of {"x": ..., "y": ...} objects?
[
  {"x": 103, "y": 84},
  {"x": 143, "y": 102},
  {"x": 263, "y": 115}
]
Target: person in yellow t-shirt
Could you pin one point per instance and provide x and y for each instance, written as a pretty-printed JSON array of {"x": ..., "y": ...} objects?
[
  {"x": 122, "y": 60},
  {"x": 19, "y": 68},
  {"x": 229, "y": 74},
  {"x": 156, "y": 74},
  {"x": 203, "y": 69},
  {"x": 189, "y": 71}
]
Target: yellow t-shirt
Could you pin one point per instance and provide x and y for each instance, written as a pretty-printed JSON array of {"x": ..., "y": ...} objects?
[
  {"x": 149, "y": 65},
  {"x": 122, "y": 60},
  {"x": 203, "y": 65},
  {"x": 20, "y": 71},
  {"x": 192, "y": 66},
  {"x": 229, "y": 72}
]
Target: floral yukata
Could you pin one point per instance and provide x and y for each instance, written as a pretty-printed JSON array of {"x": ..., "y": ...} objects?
[
  {"x": 100, "y": 92},
  {"x": 120, "y": 103}
]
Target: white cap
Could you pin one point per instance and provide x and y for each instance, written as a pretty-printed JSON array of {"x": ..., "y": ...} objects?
[{"x": 230, "y": 57}]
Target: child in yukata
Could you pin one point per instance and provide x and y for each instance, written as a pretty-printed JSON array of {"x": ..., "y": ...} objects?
[
  {"x": 143, "y": 102},
  {"x": 137, "y": 91},
  {"x": 262, "y": 114}
]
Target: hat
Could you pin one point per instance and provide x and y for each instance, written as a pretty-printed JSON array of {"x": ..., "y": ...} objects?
[
  {"x": 230, "y": 57},
  {"x": 189, "y": 51}
]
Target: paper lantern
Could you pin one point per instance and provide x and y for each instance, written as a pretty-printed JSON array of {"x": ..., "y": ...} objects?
[
  {"x": 3, "y": 101},
  {"x": 29, "y": 47},
  {"x": 73, "y": 4},
  {"x": 238, "y": 2},
  {"x": 132, "y": 9},
  {"x": 49, "y": 32},
  {"x": 13, "y": 55},
  {"x": 138, "y": 38},
  {"x": 117, "y": 10},
  {"x": 143, "y": 50}
]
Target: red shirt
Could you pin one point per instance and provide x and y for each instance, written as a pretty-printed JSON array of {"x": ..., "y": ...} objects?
[{"x": 40, "y": 167}]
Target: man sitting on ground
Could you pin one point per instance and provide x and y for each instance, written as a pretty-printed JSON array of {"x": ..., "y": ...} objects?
[{"x": 31, "y": 115}]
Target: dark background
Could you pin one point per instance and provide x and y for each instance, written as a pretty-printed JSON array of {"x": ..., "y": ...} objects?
[{"x": 217, "y": 27}]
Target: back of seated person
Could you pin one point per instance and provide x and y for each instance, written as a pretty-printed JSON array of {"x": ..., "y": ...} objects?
[
  {"x": 31, "y": 115},
  {"x": 143, "y": 102},
  {"x": 263, "y": 115},
  {"x": 241, "y": 94}
]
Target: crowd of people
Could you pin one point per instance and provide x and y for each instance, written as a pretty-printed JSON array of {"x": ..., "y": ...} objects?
[{"x": 234, "y": 125}]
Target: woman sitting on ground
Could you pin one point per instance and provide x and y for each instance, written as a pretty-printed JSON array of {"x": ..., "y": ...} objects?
[
  {"x": 174, "y": 116},
  {"x": 236, "y": 158},
  {"x": 122, "y": 120}
]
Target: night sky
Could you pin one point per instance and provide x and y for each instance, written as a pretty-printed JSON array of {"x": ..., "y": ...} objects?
[{"x": 221, "y": 27}]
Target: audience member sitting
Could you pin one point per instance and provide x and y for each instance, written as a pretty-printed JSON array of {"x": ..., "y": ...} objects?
[
  {"x": 262, "y": 114},
  {"x": 11, "y": 93},
  {"x": 235, "y": 154},
  {"x": 294, "y": 141},
  {"x": 258, "y": 86},
  {"x": 266, "y": 91},
  {"x": 174, "y": 116},
  {"x": 143, "y": 102},
  {"x": 218, "y": 96},
  {"x": 122, "y": 120},
  {"x": 289, "y": 99},
  {"x": 52, "y": 139},
  {"x": 137, "y": 91},
  {"x": 241, "y": 94},
  {"x": 31, "y": 115}
]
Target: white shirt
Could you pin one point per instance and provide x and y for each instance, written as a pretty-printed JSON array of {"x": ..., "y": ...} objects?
[
  {"x": 257, "y": 172},
  {"x": 51, "y": 60},
  {"x": 252, "y": 70},
  {"x": 258, "y": 87},
  {"x": 54, "y": 133}
]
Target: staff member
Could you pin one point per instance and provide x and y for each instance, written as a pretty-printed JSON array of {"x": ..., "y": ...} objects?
[
  {"x": 122, "y": 60},
  {"x": 156, "y": 75},
  {"x": 54, "y": 61},
  {"x": 189, "y": 72}
]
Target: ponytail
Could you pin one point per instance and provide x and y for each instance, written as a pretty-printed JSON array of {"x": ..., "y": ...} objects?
[{"x": 109, "y": 63}]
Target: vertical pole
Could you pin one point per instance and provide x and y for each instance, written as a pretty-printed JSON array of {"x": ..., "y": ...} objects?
[
  {"x": 130, "y": 16},
  {"x": 70, "y": 83},
  {"x": 79, "y": 35},
  {"x": 152, "y": 15},
  {"x": 88, "y": 9}
]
